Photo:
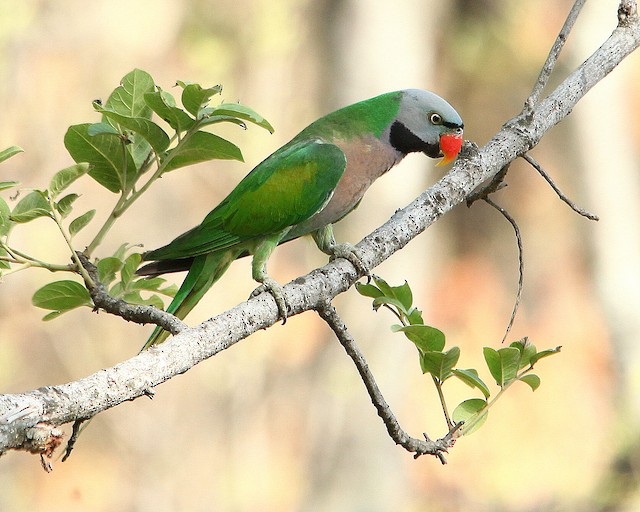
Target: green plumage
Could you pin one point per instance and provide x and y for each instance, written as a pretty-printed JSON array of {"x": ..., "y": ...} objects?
[{"x": 321, "y": 174}]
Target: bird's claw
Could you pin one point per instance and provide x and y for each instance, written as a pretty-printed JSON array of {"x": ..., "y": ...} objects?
[
  {"x": 350, "y": 253},
  {"x": 277, "y": 292}
]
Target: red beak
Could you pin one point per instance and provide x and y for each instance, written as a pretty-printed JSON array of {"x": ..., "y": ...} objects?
[{"x": 450, "y": 144}]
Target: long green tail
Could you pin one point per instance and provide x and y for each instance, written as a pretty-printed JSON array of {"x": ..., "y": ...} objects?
[{"x": 204, "y": 272}]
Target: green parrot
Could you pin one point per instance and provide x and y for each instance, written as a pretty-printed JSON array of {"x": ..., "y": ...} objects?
[{"x": 304, "y": 188}]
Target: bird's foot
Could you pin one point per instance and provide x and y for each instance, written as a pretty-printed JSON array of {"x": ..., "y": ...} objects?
[
  {"x": 350, "y": 253},
  {"x": 275, "y": 289}
]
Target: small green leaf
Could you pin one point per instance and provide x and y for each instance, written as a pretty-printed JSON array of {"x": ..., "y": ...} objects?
[
  {"x": 241, "y": 112},
  {"x": 4, "y": 264},
  {"x": 545, "y": 353},
  {"x": 164, "y": 104},
  {"x": 61, "y": 296},
  {"x": 415, "y": 316},
  {"x": 80, "y": 222},
  {"x": 392, "y": 301},
  {"x": 439, "y": 364},
  {"x": 527, "y": 351},
  {"x": 532, "y": 380},
  {"x": 53, "y": 314},
  {"x": 134, "y": 297},
  {"x": 110, "y": 165},
  {"x": 151, "y": 284},
  {"x": 4, "y": 185},
  {"x": 471, "y": 378},
  {"x": 64, "y": 205},
  {"x": 128, "y": 98},
  {"x": 368, "y": 290},
  {"x": 425, "y": 337},
  {"x": 147, "y": 129},
  {"x": 131, "y": 264},
  {"x": 30, "y": 207},
  {"x": 9, "y": 152},
  {"x": 5, "y": 221},
  {"x": 102, "y": 129},
  {"x": 201, "y": 147},
  {"x": 62, "y": 179},
  {"x": 195, "y": 98},
  {"x": 503, "y": 364},
  {"x": 473, "y": 413},
  {"x": 107, "y": 268}
]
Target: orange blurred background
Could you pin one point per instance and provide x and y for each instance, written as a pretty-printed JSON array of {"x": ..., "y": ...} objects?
[{"x": 281, "y": 422}]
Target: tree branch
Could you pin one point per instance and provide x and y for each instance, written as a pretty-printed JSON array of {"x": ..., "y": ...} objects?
[
  {"x": 48, "y": 407},
  {"x": 417, "y": 446}
]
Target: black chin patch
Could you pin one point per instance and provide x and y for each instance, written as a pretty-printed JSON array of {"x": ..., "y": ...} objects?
[{"x": 405, "y": 141}]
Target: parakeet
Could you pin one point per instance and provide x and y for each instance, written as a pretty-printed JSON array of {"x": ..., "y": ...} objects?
[{"x": 305, "y": 187}]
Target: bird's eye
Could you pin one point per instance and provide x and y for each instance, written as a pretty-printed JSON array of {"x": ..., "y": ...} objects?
[{"x": 435, "y": 118}]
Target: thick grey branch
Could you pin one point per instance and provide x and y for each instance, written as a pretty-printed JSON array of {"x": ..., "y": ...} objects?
[{"x": 51, "y": 406}]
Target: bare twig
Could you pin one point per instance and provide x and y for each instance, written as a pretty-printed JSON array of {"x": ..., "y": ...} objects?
[
  {"x": 552, "y": 58},
  {"x": 417, "y": 446},
  {"x": 516, "y": 229},
  {"x": 561, "y": 195}
]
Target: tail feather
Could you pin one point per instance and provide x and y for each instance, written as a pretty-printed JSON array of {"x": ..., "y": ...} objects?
[{"x": 203, "y": 273}]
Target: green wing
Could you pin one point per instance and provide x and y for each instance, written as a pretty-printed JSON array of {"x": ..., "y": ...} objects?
[{"x": 287, "y": 188}]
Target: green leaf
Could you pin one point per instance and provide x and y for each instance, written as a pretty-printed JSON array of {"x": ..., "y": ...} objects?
[
  {"x": 102, "y": 129},
  {"x": 425, "y": 337},
  {"x": 527, "y": 351},
  {"x": 164, "y": 104},
  {"x": 151, "y": 284},
  {"x": 147, "y": 129},
  {"x": 9, "y": 152},
  {"x": 4, "y": 185},
  {"x": 61, "y": 296},
  {"x": 131, "y": 264},
  {"x": 473, "y": 413},
  {"x": 30, "y": 207},
  {"x": 107, "y": 268},
  {"x": 545, "y": 353},
  {"x": 134, "y": 297},
  {"x": 110, "y": 165},
  {"x": 4, "y": 264},
  {"x": 195, "y": 98},
  {"x": 201, "y": 147},
  {"x": 62, "y": 179},
  {"x": 52, "y": 315},
  {"x": 439, "y": 364},
  {"x": 5, "y": 221},
  {"x": 415, "y": 316},
  {"x": 532, "y": 380},
  {"x": 368, "y": 290},
  {"x": 128, "y": 98},
  {"x": 503, "y": 364},
  {"x": 471, "y": 378},
  {"x": 241, "y": 112},
  {"x": 64, "y": 204},
  {"x": 80, "y": 222}
]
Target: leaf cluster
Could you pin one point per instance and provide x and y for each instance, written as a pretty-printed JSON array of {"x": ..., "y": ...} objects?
[
  {"x": 142, "y": 134},
  {"x": 506, "y": 365}
]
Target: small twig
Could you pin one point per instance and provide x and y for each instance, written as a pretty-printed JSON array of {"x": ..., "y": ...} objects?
[
  {"x": 140, "y": 314},
  {"x": 496, "y": 183},
  {"x": 552, "y": 58},
  {"x": 555, "y": 188},
  {"x": 417, "y": 446},
  {"x": 516, "y": 229},
  {"x": 74, "y": 437}
]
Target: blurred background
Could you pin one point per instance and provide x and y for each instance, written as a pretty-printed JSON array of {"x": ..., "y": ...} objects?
[{"x": 281, "y": 421}]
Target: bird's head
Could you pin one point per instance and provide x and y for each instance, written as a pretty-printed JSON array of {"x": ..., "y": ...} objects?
[{"x": 426, "y": 123}]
